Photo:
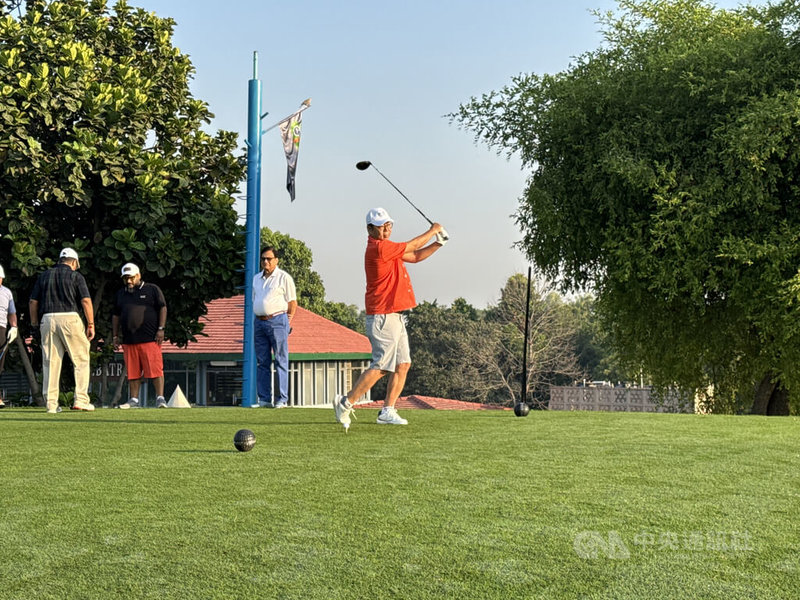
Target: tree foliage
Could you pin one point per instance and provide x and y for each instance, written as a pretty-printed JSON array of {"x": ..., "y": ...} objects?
[
  {"x": 102, "y": 148},
  {"x": 595, "y": 354},
  {"x": 436, "y": 335},
  {"x": 477, "y": 355},
  {"x": 664, "y": 177}
]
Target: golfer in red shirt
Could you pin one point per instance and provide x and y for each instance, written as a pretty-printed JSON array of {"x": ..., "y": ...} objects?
[{"x": 389, "y": 292}]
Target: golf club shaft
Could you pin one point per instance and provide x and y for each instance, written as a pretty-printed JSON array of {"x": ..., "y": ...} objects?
[{"x": 402, "y": 194}]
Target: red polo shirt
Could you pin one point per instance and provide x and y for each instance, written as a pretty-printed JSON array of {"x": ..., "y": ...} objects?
[{"x": 388, "y": 284}]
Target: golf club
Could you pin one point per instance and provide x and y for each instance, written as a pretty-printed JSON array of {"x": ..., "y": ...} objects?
[
  {"x": 10, "y": 337},
  {"x": 365, "y": 164}
]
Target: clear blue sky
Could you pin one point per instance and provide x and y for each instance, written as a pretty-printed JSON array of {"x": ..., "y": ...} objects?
[{"x": 381, "y": 76}]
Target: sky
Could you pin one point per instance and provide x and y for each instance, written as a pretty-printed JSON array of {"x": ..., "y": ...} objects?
[{"x": 382, "y": 76}]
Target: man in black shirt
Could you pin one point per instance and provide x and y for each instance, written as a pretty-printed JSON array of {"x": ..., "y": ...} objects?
[
  {"x": 141, "y": 312},
  {"x": 57, "y": 297}
]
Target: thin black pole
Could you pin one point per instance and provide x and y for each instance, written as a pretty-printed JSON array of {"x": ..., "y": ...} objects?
[{"x": 525, "y": 347}]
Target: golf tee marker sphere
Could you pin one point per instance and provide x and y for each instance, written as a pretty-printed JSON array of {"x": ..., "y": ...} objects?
[
  {"x": 244, "y": 440},
  {"x": 521, "y": 409}
]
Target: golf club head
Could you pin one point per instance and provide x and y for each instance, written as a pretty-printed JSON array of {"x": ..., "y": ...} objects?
[{"x": 363, "y": 165}]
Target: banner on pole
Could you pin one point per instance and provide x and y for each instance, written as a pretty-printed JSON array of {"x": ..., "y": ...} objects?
[{"x": 290, "y": 133}]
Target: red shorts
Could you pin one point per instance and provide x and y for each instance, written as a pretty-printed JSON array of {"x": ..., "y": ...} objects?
[{"x": 143, "y": 360}]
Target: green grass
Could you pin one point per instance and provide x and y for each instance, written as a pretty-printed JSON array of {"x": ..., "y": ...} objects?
[{"x": 158, "y": 504}]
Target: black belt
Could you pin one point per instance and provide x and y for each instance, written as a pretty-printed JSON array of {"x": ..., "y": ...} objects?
[{"x": 268, "y": 317}]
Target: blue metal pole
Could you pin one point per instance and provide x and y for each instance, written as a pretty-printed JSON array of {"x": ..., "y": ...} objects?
[{"x": 253, "y": 227}]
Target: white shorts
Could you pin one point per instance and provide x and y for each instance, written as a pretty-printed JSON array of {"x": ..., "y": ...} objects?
[{"x": 389, "y": 339}]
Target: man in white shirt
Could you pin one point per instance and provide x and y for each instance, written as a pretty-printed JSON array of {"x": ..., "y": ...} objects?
[{"x": 274, "y": 304}]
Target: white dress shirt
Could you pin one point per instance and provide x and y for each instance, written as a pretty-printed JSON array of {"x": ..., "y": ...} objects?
[{"x": 272, "y": 294}]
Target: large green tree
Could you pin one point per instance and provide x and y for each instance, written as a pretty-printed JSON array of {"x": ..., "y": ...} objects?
[
  {"x": 103, "y": 148},
  {"x": 596, "y": 359},
  {"x": 665, "y": 177}
]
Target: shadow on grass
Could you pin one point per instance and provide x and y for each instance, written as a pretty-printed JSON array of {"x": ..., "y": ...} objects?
[
  {"x": 84, "y": 420},
  {"x": 73, "y": 418},
  {"x": 208, "y": 452}
]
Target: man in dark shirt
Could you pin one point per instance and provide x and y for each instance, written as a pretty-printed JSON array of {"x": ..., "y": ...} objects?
[
  {"x": 141, "y": 312},
  {"x": 57, "y": 297}
]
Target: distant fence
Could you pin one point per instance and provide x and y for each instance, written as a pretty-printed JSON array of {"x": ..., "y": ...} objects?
[{"x": 618, "y": 399}]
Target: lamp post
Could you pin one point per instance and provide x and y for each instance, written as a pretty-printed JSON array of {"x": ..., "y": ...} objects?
[
  {"x": 252, "y": 263},
  {"x": 253, "y": 232}
]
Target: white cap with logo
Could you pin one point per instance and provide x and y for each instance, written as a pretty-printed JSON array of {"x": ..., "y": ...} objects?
[
  {"x": 378, "y": 217},
  {"x": 129, "y": 270}
]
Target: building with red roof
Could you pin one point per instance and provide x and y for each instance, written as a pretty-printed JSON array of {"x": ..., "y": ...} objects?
[{"x": 325, "y": 358}]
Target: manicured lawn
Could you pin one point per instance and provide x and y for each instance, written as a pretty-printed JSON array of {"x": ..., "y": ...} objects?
[{"x": 158, "y": 504}]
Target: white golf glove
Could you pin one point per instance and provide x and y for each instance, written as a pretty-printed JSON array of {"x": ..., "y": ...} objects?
[
  {"x": 11, "y": 335},
  {"x": 442, "y": 237}
]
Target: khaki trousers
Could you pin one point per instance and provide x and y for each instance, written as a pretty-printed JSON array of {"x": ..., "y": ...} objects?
[{"x": 64, "y": 332}]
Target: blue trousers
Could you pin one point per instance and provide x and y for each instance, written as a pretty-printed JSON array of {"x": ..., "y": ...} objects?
[{"x": 272, "y": 340}]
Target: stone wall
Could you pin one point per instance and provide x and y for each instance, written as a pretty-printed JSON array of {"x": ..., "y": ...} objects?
[{"x": 621, "y": 399}]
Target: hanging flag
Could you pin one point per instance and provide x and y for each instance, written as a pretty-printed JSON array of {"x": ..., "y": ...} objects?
[{"x": 290, "y": 132}]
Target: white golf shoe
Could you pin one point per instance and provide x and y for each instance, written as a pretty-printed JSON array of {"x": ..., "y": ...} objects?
[
  {"x": 342, "y": 412},
  {"x": 389, "y": 416},
  {"x": 132, "y": 403}
]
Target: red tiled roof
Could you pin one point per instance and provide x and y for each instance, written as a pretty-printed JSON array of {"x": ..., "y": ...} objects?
[
  {"x": 311, "y": 334},
  {"x": 406, "y": 402}
]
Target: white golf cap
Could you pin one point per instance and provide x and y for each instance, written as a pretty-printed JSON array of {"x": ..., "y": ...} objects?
[
  {"x": 69, "y": 253},
  {"x": 129, "y": 269},
  {"x": 378, "y": 216},
  {"x": 2, "y": 273}
]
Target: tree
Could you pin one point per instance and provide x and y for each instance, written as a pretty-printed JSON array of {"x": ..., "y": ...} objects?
[
  {"x": 103, "y": 149},
  {"x": 12, "y": 4},
  {"x": 596, "y": 358},
  {"x": 551, "y": 355},
  {"x": 436, "y": 335},
  {"x": 296, "y": 259},
  {"x": 476, "y": 355},
  {"x": 664, "y": 170}
]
